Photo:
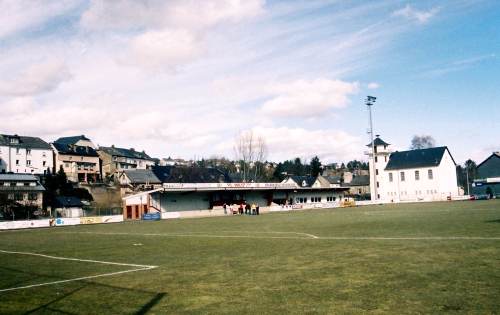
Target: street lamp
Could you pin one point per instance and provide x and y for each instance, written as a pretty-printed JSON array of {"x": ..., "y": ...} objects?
[{"x": 370, "y": 101}]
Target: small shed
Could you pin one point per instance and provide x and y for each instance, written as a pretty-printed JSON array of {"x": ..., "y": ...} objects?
[{"x": 68, "y": 207}]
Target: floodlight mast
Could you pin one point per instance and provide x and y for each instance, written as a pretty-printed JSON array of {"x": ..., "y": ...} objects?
[{"x": 370, "y": 101}]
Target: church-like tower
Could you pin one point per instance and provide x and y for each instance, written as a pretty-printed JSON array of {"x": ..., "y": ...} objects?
[{"x": 377, "y": 165}]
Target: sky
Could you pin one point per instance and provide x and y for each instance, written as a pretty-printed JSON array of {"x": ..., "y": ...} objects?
[{"x": 184, "y": 78}]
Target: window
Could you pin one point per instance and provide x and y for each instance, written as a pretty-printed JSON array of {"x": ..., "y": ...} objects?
[
  {"x": 10, "y": 196},
  {"x": 417, "y": 175},
  {"x": 17, "y": 150},
  {"x": 378, "y": 185},
  {"x": 301, "y": 199},
  {"x": 18, "y": 196},
  {"x": 43, "y": 154},
  {"x": 385, "y": 158},
  {"x": 390, "y": 177},
  {"x": 402, "y": 176},
  {"x": 44, "y": 163},
  {"x": 28, "y": 151},
  {"x": 376, "y": 158},
  {"x": 315, "y": 199},
  {"x": 17, "y": 162},
  {"x": 32, "y": 196},
  {"x": 430, "y": 175},
  {"x": 376, "y": 172},
  {"x": 28, "y": 162},
  {"x": 330, "y": 199}
]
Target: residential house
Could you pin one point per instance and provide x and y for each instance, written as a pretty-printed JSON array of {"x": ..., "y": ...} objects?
[
  {"x": 26, "y": 155},
  {"x": 359, "y": 187},
  {"x": 424, "y": 174},
  {"x": 78, "y": 158},
  {"x": 488, "y": 173},
  {"x": 116, "y": 160},
  {"x": 137, "y": 180},
  {"x": 21, "y": 190},
  {"x": 314, "y": 189}
]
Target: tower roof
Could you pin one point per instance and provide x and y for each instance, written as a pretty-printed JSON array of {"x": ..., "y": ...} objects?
[{"x": 378, "y": 141}]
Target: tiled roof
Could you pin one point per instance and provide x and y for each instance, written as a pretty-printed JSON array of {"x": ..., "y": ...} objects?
[
  {"x": 71, "y": 140},
  {"x": 416, "y": 158},
  {"x": 360, "y": 180},
  {"x": 70, "y": 149},
  {"x": 309, "y": 180},
  {"x": 142, "y": 177},
  {"x": 17, "y": 177},
  {"x": 129, "y": 153},
  {"x": 24, "y": 142},
  {"x": 333, "y": 179}
]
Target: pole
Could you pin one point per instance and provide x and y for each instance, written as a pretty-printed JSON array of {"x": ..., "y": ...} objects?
[{"x": 370, "y": 100}]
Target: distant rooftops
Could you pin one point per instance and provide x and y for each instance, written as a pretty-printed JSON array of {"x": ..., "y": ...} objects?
[
  {"x": 24, "y": 142},
  {"x": 172, "y": 174},
  {"x": 416, "y": 158}
]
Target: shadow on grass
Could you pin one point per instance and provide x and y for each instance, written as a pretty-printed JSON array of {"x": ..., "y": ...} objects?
[
  {"x": 146, "y": 307},
  {"x": 62, "y": 297},
  {"x": 146, "y": 300},
  {"x": 493, "y": 221}
]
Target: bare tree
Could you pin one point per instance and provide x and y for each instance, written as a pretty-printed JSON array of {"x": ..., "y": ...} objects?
[
  {"x": 250, "y": 151},
  {"x": 422, "y": 142}
]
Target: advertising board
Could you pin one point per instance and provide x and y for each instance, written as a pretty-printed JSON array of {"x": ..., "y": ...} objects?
[
  {"x": 154, "y": 216},
  {"x": 8, "y": 225}
]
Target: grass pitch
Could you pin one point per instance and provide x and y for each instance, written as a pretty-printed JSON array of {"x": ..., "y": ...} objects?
[{"x": 394, "y": 259}]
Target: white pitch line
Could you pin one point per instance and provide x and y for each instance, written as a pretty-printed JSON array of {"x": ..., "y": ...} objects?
[
  {"x": 310, "y": 236},
  {"x": 138, "y": 268},
  {"x": 271, "y": 232}
]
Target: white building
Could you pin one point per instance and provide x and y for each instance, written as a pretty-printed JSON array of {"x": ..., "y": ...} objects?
[
  {"x": 415, "y": 175},
  {"x": 26, "y": 155}
]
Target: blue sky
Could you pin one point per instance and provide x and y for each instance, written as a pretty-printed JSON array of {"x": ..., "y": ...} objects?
[{"x": 184, "y": 78}]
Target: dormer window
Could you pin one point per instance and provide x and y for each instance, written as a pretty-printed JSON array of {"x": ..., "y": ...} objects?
[
  {"x": 304, "y": 184},
  {"x": 14, "y": 140},
  {"x": 28, "y": 151}
]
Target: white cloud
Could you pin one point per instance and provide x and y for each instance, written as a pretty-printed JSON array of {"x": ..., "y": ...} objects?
[
  {"x": 313, "y": 98},
  {"x": 20, "y": 15},
  {"x": 169, "y": 34},
  {"x": 186, "y": 14},
  {"x": 411, "y": 13},
  {"x": 373, "y": 85},
  {"x": 36, "y": 79},
  {"x": 164, "y": 49}
]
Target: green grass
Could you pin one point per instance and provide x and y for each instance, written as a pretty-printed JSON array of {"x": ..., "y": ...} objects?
[{"x": 241, "y": 265}]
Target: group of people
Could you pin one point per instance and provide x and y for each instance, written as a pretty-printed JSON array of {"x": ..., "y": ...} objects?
[{"x": 246, "y": 208}]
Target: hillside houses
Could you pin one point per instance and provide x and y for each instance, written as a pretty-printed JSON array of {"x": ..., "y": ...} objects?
[{"x": 115, "y": 160}]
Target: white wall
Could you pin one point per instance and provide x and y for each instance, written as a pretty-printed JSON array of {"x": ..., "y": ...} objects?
[
  {"x": 37, "y": 157},
  {"x": 442, "y": 185}
]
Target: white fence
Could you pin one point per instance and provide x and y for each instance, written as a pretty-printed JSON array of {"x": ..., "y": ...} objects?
[{"x": 28, "y": 224}]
